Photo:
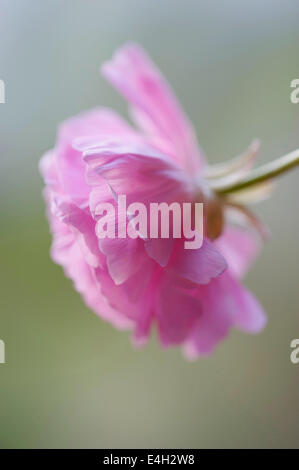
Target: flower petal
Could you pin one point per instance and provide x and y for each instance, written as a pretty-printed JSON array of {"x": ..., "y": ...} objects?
[
  {"x": 154, "y": 104},
  {"x": 226, "y": 303},
  {"x": 70, "y": 166},
  {"x": 177, "y": 313},
  {"x": 199, "y": 265},
  {"x": 137, "y": 171},
  {"x": 239, "y": 247}
]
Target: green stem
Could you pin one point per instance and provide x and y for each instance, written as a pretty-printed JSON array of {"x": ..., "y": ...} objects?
[{"x": 263, "y": 173}]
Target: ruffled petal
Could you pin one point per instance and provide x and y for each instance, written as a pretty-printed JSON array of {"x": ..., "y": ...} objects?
[
  {"x": 136, "y": 170},
  {"x": 142, "y": 175},
  {"x": 80, "y": 222},
  {"x": 67, "y": 251},
  {"x": 70, "y": 166}
]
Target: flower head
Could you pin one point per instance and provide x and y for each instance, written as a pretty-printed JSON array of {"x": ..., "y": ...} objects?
[{"x": 193, "y": 296}]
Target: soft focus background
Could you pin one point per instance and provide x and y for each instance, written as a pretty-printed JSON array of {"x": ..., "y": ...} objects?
[{"x": 71, "y": 380}]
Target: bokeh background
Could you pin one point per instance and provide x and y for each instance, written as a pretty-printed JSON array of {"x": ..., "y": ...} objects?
[{"x": 70, "y": 379}]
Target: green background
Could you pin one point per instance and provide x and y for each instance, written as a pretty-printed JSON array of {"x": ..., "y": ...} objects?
[{"x": 70, "y": 379}]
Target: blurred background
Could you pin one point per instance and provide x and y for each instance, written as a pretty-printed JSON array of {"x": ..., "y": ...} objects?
[{"x": 70, "y": 379}]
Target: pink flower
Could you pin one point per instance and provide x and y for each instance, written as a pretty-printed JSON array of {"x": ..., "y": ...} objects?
[{"x": 193, "y": 296}]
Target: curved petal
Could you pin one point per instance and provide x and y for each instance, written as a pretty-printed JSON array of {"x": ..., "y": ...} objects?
[
  {"x": 142, "y": 175},
  {"x": 226, "y": 303},
  {"x": 83, "y": 225},
  {"x": 70, "y": 166},
  {"x": 239, "y": 247},
  {"x": 177, "y": 313},
  {"x": 136, "y": 170},
  {"x": 124, "y": 257},
  {"x": 250, "y": 317},
  {"x": 67, "y": 251},
  {"x": 159, "y": 249},
  {"x": 134, "y": 297},
  {"x": 154, "y": 104},
  {"x": 200, "y": 265}
]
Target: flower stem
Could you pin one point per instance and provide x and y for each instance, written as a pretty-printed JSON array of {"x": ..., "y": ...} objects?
[{"x": 263, "y": 173}]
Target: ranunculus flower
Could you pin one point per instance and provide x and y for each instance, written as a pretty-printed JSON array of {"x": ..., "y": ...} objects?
[{"x": 194, "y": 297}]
